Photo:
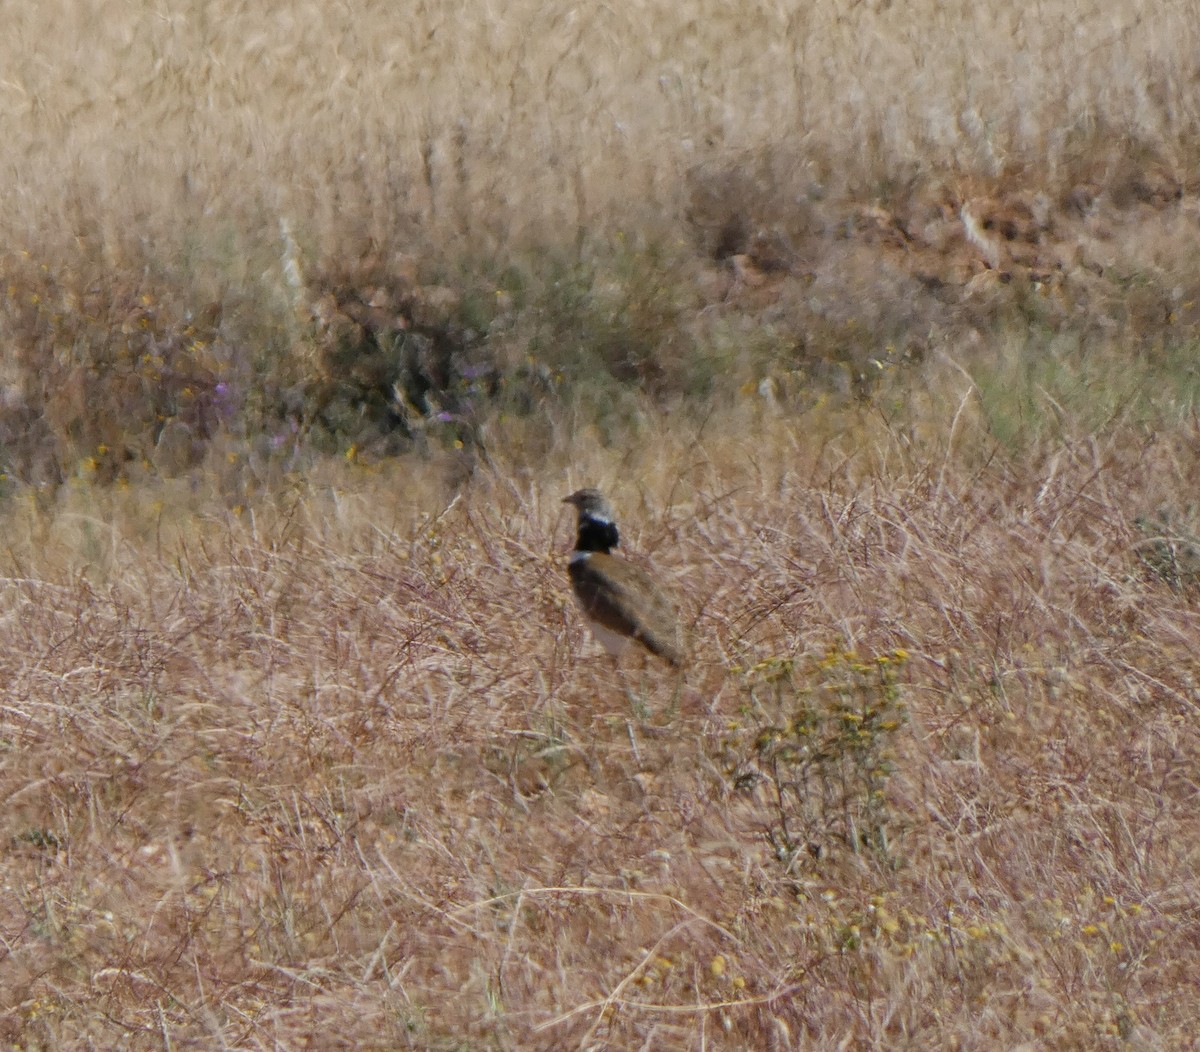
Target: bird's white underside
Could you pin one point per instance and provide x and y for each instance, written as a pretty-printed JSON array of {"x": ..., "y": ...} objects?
[{"x": 615, "y": 643}]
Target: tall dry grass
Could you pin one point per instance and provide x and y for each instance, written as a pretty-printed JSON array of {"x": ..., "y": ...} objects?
[
  {"x": 533, "y": 122},
  {"x": 345, "y": 771},
  {"x": 313, "y": 751},
  {"x": 231, "y": 230}
]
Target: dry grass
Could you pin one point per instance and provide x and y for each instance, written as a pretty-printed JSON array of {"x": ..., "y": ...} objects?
[
  {"x": 226, "y": 227},
  {"x": 530, "y": 121},
  {"x": 313, "y": 752},
  {"x": 345, "y": 772}
]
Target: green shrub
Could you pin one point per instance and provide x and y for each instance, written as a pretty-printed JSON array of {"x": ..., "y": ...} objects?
[{"x": 822, "y": 741}]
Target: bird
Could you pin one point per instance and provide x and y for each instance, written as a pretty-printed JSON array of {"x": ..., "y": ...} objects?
[{"x": 619, "y": 599}]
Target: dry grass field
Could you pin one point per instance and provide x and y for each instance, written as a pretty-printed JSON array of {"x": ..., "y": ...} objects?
[
  {"x": 345, "y": 772},
  {"x": 135, "y": 123},
  {"x": 879, "y": 323}
]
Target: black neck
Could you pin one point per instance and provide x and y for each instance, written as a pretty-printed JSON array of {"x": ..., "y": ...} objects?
[{"x": 596, "y": 535}]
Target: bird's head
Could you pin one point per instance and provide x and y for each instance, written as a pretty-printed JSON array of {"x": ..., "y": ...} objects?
[{"x": 590, "y": 504}]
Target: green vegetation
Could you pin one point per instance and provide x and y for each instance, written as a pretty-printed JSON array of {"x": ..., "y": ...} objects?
[{"x": 826, "y": 750}]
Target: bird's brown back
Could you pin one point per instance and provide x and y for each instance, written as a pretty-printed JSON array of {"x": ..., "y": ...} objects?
[{"x": 622, "y": 597}]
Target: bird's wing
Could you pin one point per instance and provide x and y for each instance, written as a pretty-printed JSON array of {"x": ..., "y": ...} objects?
[{"x": 621, "y": 596}]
